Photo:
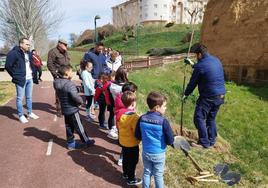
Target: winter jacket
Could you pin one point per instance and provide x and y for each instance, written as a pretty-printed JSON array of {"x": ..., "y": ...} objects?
[
  {"x": 68, "y": 96},
  {"x": 37, "y": 61},
  {"x": 115, "y": 89},
  {"x": 16, "y": 67},
  {"x": 155, "y": 132},
  {"x": 55, "y": 59},
  {"x": 88, "y": 83},
  {"x": 102, "y": 92},
  {"x": 208, "y": 75},
  {"x": 127, "y": 125},
  {"x": 98, "y": 60}
]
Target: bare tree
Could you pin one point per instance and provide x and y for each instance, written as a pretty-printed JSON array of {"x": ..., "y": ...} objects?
[
  {"x": 34, "y": 19},
  {"x": 73, "y": 39},
  {"x": 195, "y": 10}
]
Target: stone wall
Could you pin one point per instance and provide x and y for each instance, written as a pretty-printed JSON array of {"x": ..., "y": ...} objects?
[{"x": 237, "y": 32}]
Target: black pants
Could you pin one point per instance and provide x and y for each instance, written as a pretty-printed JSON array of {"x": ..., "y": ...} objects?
[
  {"x": 89, "y": 101},
  {"x": 130, "y": 161},
  {"x": 73, "y": 122},
  {"x": 39, "y": 70},
  {"x": 101, "y": 117}
]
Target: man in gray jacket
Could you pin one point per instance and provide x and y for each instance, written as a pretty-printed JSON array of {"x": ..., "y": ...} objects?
[{"x": 70, "y": 101}]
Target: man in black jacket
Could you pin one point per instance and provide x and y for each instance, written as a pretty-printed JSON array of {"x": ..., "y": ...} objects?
[
  {"x": 70, "y": 101},
  {"x": 19, "y": 65}
]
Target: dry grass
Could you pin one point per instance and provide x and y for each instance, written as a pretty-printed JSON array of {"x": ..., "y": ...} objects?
[{"x": 7, "y": 91}]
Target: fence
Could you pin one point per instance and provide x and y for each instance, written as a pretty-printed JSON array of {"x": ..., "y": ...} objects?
[
  {"x": 253, "y": 74},
  {"x": 148, "y": 62}
]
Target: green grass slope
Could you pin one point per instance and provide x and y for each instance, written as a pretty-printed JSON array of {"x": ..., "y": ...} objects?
[
  {"x": 148, "y": 37},
  {"x": 242, "y": 126}
]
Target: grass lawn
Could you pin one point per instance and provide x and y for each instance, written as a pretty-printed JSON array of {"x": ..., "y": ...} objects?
[
  {"x": 7, "y": 91},
  {"x": 242, "y": 126}
]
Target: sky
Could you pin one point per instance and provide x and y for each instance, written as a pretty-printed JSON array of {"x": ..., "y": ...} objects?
[{"x": 79, "y": 16}]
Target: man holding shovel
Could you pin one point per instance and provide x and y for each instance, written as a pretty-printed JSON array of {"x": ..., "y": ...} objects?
[{"x": 208, "y": 75}]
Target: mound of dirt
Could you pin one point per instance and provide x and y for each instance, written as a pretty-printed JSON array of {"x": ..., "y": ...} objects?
[
  {"x": 221, "y": 145},
  {"x": 237, "y": 32}
]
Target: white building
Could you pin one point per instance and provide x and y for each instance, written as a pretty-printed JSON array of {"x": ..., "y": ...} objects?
[{"x": 132, "y": 12}]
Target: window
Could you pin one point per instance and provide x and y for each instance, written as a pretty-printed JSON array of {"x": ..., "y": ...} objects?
[
  {"x": 155, "y": 5},
  {"x": 146, "y": 15},
  {"x": 155, "y": 14}
]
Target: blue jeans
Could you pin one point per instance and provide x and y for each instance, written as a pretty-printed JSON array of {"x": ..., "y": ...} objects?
[
  {"x": 26, "y": 91},
  {"x": 205, "y": 120},
  {"x": 153, "y": 166}
]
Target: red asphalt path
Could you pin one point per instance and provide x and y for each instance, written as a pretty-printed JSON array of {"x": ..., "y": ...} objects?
[{"x": 23, "y": 148}]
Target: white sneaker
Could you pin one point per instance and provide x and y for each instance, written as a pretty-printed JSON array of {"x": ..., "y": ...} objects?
[
  {"x": 90, "y": 119},
  {"x": 92, "y": 116},
  {"x": 120, "y": 162},
  {"x": 113, "y": 135},
  {"x": 23, "y": 119},
  {"x": 33, "y": 116}
]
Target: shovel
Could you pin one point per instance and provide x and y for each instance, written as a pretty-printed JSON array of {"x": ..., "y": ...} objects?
[{"x": 181, "y": 143}]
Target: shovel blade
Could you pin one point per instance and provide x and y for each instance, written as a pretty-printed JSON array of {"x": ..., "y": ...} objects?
[
  {"x": 221, "y": 169},
  {"x": 181, "y": 143},
  {"x": 231, "y": 178}
]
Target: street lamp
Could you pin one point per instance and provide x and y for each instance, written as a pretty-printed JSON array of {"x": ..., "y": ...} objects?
[
  {"x": 96, "y": 35},
  {"x": 17, "y": 28}
]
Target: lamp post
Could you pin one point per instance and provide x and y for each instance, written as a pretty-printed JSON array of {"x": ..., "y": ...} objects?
[
  {"x": 95, "y": 23},
  {"x": 17, "y": 28}
]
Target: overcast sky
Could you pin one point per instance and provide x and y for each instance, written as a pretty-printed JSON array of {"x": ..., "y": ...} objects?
[{"x": 79, "y": 15}]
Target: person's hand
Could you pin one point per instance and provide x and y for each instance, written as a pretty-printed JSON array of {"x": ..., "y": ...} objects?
[
  {"x": 188, "y": 61},
  {"x": 184, "y": 98}
]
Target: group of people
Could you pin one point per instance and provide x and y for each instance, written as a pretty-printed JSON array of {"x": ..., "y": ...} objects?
[{"x": 106, "y": 84}]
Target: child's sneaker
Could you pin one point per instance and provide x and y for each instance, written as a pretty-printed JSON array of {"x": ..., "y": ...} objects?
[
  {"x": 74, "y": 145},
  {"x": 23, "y": 119},
  {"x": 33, "y": 116},
  {"x": 92, "y": 116},
  {"x": 120, "y": 162},
  {"x": 90, "y": 119},
  {"x": 135, "y": 181},
  {"x": 113, "y": 135},
  {"x": 90, "y": 142}
]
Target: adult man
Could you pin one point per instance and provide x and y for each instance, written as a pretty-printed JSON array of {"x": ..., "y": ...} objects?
[
  {"x": 19, "y": 65},
  {"x": 208, "y": 75},
  {"x": 56, "y": 57},
  {"x": 98, "y": 59}
]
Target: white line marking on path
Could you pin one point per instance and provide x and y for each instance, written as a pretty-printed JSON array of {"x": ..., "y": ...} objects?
[
  {"x": 55, "y": 118},
  {"x": 49, "y": 147},
  {"x": 45, "y": 87}
]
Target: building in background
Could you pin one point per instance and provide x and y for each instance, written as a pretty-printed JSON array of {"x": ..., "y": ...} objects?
[{"x": 132, "y": 12}]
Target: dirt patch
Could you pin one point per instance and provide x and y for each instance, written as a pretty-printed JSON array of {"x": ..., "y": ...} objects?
[{"x": 221, "y": 146}]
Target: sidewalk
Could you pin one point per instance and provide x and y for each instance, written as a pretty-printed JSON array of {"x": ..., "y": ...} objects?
[
  {"x": 35, "y": 155},
  {"x": 46, "y": 76}
]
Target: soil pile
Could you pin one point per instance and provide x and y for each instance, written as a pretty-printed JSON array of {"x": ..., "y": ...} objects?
[{"x": 237, "y": 32}]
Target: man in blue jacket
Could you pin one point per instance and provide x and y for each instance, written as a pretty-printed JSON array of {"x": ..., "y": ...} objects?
[
  {"x": 19, "y": 65},
  {"x": 98, "y": 59},
  {"x": 208, "y": 75}
]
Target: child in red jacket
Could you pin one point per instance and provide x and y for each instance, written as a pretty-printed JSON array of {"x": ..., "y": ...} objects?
[{"x": 102, "y": 96}]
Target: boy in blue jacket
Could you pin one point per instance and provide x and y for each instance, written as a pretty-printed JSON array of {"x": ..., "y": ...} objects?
[{"x": 155, "y": 133}]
